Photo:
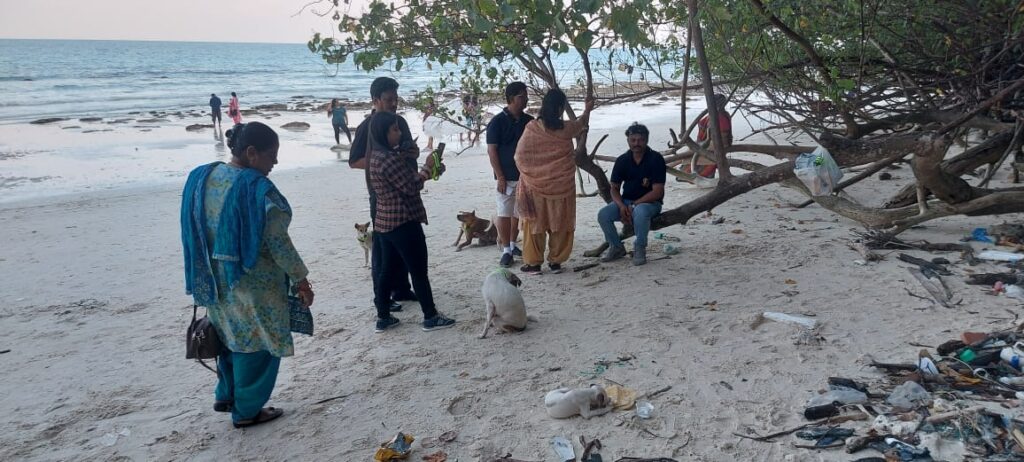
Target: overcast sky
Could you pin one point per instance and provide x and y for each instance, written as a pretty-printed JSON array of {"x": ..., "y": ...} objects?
[{"x": 188, "y": 20}]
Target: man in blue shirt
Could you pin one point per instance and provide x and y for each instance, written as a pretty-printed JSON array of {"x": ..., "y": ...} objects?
[
  {"x": 640, "y": 173},
  {"x": 215, "y": 109},
  {"x": 503, "y": 134}
]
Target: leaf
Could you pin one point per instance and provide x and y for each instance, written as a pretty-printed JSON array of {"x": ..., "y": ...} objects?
[{"x": 584, "y": 40}]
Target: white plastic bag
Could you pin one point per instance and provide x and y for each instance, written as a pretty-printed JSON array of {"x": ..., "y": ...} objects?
[{"x": 818, "y": 171}]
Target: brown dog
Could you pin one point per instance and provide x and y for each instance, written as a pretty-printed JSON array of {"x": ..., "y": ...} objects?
[
  {"x": 365, "y": 237},
  {"x": 473, "y": 227}
]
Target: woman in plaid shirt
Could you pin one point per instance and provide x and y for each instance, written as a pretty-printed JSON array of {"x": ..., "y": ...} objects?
[{"x": 399, "y": 222}]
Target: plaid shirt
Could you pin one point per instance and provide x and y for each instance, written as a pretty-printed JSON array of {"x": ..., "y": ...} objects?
[{"x": 397, "y": 186}]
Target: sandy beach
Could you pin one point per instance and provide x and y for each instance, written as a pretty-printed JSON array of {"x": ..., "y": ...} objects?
[{"x": 95, "y": 313}]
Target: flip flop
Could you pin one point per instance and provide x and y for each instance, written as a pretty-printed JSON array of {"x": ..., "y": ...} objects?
[
  {"x": 266, "y": 415},
  {"x": 223, "y": 406}
]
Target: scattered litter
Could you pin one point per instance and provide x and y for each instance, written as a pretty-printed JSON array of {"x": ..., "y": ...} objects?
[
  {"x": 670, "y": 249},
  {"x": 838, "y": 394},
  {"x": 563, "y": 449},
  {"x": 999, "y": 255},
  {"x": 909, "y": 396},
  {"x": 790, "y": 319},
  {"x": 622, "y": 398},
  {"x": 959, "y": 402},
  {"x": 644, "y": 409},
  {"x": 110, "y": 439},
  {"x": 398, "y": 448},
  {"x": 446, "y": 437},
  {"x": 981, "y": 235}
]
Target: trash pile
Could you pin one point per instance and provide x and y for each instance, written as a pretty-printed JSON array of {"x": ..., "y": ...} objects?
[{"x": 964, "y": 403}]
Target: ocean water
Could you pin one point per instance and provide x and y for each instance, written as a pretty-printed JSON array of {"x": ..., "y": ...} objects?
[
  {"x": 78, "y": 78},
  {"x": 113, "y": 79}
]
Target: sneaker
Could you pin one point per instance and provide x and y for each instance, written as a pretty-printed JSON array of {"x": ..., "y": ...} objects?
[
  {"x": 395, "y": 307},
  {"x": 404, "y": 296},
  {"x": 639, "y": 256},
  {"x": 530, "y": 269},
  {"x": 556, "y": 268},
  {"x": 506, "y": 260},
  {"x": 517, "y": 252},
  {"x": 385, "y": 324},
  {"x": 614, "y": 253},
  {"x": 437, "y": 322}
]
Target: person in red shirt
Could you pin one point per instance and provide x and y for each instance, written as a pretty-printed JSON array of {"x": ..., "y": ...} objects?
[{"x": 703, "y": 166}]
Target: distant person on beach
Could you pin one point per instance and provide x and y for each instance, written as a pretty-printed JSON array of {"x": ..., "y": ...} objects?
[
  {"x": 706, "y": 167},
  {"x": 640, "y": 174},
  {"x": 238, "y": 258},
  {"x": 215, "y": 109},
  {"x": 398, "y": 219},
  {"x": 339, "y": 119},
  {"x": 233, "y": 111},
  {"x": 471, "y": 115},
  {"x": 429, "y": 129},
  {"x": 384, "y": 97},
  {"x": 503, "y": 133},
  {"x": 545, "y": 195}
]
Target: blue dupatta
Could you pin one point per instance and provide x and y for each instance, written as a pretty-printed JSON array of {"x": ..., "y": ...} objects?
[{"x": 239, "y": 232}]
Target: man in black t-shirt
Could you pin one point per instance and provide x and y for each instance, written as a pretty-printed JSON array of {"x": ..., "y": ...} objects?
[
  {"x": 640, "y": 173},
  {"x": 384, "y": 96},
  {"x": 503, "y": 134}
]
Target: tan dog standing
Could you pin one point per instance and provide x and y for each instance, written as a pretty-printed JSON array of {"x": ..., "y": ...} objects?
[
  {"x": 587, "y": 402},
  {"x": 475, "y": 228},
  {"x": 365, "y": 237},
  {"x": 506, "y": 310}
]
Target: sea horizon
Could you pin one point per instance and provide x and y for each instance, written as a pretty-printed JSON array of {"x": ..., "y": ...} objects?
[{"x": 43, "y": 78}]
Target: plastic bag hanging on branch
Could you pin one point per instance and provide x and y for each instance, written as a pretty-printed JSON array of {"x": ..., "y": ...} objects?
[{"x": 818, "y": 171}]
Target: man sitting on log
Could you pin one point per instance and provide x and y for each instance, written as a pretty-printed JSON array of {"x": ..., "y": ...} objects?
[{"x": 640, "y": 173}]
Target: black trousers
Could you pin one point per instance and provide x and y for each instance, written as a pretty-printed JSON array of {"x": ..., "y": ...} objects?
[
  {"x": 337, "y": 131},
  {"x": 395, "y": 252}
]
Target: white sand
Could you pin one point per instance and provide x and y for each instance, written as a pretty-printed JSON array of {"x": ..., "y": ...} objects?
[{"x": 95, "y": 313}]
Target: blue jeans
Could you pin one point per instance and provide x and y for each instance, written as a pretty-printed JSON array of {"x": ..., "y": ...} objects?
[{"x": 642, "y": 215}]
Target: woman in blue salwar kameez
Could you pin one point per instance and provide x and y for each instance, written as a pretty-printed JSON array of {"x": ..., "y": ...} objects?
[{"x": 240, "y": 264}]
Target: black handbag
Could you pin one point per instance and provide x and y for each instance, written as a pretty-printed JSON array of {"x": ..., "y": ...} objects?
[{"x": 201, "y": 340}]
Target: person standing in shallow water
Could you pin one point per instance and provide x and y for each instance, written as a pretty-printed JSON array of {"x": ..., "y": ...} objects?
[
  {"x": 339, "y": 120},
  {"x": 215, "y": 109},
  {"x": 240, "y": 264},
  {"x": 233, "y": 111}
]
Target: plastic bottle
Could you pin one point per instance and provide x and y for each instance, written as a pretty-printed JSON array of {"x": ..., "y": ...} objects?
[
  {"x": 1012, "y": 357},
  {"x": 1012, "y": 381},
  {"x": 838, "y": 394},
  {"x": 820, "y": 412},
  {"x": 967, "y": 355}
]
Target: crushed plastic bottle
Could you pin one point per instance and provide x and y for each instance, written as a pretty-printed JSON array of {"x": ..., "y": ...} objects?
[
  {"x": 910, "y": 395},
  {"x": 838, "y": 394},
  {"x": 644, "y": 409}
]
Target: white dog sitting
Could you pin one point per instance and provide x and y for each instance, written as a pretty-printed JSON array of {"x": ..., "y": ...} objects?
[
  {"x": 587, "y": 402},
  {"x": 506, "y": 310}
]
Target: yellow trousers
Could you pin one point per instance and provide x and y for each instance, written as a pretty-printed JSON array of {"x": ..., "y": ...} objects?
[{"x": 559, "y": 243}]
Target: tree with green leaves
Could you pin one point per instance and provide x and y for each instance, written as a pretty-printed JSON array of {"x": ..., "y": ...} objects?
[{"x": 873, "y": 81}]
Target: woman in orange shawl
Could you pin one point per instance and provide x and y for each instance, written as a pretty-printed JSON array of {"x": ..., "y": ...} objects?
[{"x": 546, "y": 194}]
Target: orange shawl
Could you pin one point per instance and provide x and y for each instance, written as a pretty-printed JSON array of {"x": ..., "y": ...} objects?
[{"x": 546, "y": 195}]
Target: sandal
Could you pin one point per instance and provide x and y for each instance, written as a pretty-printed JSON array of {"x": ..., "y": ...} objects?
[
  {"x": 266, "y": 415},
  {"x": 223, "y": 406}
]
